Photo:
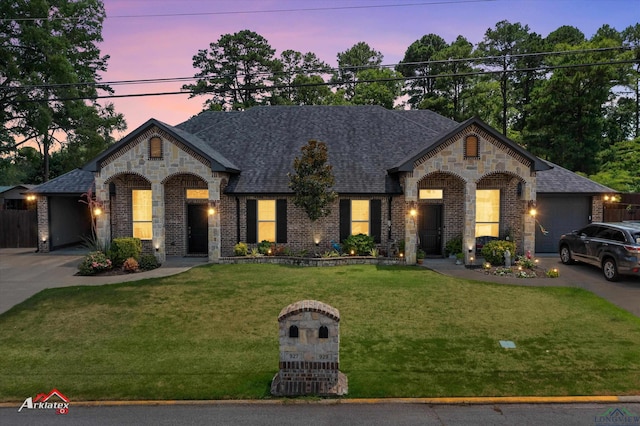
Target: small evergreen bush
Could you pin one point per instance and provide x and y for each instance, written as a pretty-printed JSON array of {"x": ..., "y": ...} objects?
[
  {"x": 453, "y": 246},
  {"x": 493, "y": 251},
  {"x": 124, "y": 248},
  {"x": 360, "y": 244},
  {"x": 264, "y": 247},
  {"x": 148, "y": 262},
  {"x": 240, "y": 249}
]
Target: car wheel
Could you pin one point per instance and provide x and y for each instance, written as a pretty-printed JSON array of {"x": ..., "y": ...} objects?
[
  {"x": 565, "y": 255},
  {"x": 610, "y": 269}
]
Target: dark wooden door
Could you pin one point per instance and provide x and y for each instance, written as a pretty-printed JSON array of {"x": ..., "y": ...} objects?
[
  {"x": 430, "y": 228},
  {"x": 197, "y": 228}
]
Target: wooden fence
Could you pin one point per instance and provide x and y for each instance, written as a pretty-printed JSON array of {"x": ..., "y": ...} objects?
[
  {"x": 18, "y": 228},
  {"x": 628, "y": 208}
]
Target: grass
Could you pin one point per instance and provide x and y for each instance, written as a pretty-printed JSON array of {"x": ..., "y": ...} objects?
[{"x": 211, "y": 333}]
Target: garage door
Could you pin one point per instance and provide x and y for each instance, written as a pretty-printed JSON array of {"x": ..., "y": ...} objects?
[{"x": 559, "y": 214}]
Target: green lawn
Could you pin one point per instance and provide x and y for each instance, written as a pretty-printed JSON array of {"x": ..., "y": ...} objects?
[{"x": 212, "y": 333}]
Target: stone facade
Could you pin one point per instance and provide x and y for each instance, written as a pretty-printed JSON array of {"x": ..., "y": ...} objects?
[
  {"x": 168, "y": 177},
  {"x": 497, "y": 166},
  {"x": 309, "y": 336}
]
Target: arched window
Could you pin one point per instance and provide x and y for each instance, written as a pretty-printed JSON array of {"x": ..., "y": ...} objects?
[
  {"x": 471, "y": 149},
  {"x": 293, "y": 331},
  {"x": 155, "y": 147},
  {"x": 324, "y": 332}
]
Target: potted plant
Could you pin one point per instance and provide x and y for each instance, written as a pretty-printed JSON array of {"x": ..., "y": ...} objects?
[
  {"x": 459, "y": 258},
  {"x": 420, "y": 254}
]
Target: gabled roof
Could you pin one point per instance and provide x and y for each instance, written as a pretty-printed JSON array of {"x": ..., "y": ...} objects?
[
  {"x": 559, "y": 180},
  {"x": 7, "y": 188},
  {"x": 407, "y": 164},
  {"x": 74, "y": 182},
  {"x": 218, "y": 162},
  {"x": 362, "y": 142}
]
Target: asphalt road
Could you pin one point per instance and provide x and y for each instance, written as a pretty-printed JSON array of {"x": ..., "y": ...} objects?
[{"x": 333, "y": 415}]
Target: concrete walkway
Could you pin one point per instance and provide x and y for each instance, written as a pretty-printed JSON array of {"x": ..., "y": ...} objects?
[{"x": 23, "y": 273}]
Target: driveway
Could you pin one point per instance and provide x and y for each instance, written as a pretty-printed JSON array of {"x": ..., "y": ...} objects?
[
  {"x": 24, "y": 273},
  {"x": 624, "y": 293}
]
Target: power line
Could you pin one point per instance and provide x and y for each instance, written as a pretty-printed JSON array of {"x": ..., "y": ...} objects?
[
  {"x": 334, "y": 70},
  {"x": 248, "y": 12},
  {"x": 336, "y": 83}
]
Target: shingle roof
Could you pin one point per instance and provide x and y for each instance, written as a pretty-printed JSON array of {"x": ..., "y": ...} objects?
[
  {"x": 75, "y": 182},
  {"x": 218, "y": 162},
  {"x": 560, "y": 180},
  {"x": 362, "y": 141}
]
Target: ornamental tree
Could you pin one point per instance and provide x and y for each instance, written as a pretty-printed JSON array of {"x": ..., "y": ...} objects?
[{"x": 313, "y": 180}]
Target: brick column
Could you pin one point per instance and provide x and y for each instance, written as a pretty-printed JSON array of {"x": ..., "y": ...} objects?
[
  {"x": 469, "y": 230},
  {"x": 157, "y": 224}
]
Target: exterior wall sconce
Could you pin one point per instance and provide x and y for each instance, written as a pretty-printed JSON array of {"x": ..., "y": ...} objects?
[
  {"x": 31, "y": 197},
  {"x": 613, "y": 198},
  {"x": 157, "y": 247},
  {"x": 213, "y": 205},
  {"x": 413, "y": 209},
  {"x": 532, "y": 207},
  {"x": 97, "y": 211}
]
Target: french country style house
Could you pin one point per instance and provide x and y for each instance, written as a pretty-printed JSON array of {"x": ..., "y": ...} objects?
[{"x": 414, "y": 176}]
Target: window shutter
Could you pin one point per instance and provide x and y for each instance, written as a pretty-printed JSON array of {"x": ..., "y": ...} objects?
[
  {"x": 252, "y": 221},
  {"x": 281, "y": 221},
  {"x": 345, "y": 219},
  {"x": 375, "y": 220}
]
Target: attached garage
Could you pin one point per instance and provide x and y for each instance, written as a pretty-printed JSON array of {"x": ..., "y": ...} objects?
[
  {"x": 565, "y": 201},
  {"x": 557, "y": 215}
]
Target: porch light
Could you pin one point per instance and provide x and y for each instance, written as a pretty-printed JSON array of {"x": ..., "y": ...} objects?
[
  {"x": 31, "y": 197},
  {"x": 97, "y": 211},
  {"x": 532, "y": 208},
  {"x": 413, "y": 212},
  {"x": 211, "y": 211}
]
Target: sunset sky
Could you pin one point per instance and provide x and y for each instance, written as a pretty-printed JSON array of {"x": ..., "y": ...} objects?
[{"x": 151, "y": 39}]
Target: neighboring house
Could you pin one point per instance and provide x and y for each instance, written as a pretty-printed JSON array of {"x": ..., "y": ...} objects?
[
  {"x": 14, "y": 197},
  {"x": 220, "y": 178}
]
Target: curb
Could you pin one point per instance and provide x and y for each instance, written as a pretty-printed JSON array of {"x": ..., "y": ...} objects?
[{"x": 362, "y": 401}]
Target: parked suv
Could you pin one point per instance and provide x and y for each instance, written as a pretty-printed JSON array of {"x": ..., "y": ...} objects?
[{"x": 614, "y": 247}]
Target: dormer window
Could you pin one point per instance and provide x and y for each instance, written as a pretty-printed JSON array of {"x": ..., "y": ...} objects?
[
  {"x": 155, "y": 148},
  {"x": 471, "y": 149}
]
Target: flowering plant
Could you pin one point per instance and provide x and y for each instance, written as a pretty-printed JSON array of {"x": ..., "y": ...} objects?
[{"x": 94, "y": 262}]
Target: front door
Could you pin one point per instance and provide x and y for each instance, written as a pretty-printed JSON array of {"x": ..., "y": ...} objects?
[
  {"x": 197, "y": 229},
  {"x": 430, "y": 228}
]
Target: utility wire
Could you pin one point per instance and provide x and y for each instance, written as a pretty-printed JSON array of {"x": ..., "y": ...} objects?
[
  {"x": 249, "y": 12},
  {"x": 333, "y": 83},
  {"x": 335, "y": 70}
]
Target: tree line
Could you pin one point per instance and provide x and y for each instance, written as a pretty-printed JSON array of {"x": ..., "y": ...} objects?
[{"x": 567, "y": 98}]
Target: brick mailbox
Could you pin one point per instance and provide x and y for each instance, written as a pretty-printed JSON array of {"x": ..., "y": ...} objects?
[{"x": 309, "y": 334}]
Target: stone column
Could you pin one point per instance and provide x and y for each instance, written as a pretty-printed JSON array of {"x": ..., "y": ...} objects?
[
  {"x": 157, "y": 224},
  {"x": 214, "y": 219},
  {"x": 103, "y": 221},
  {"x": 43, "y": 224},
  {"x": 529, "y": 231},
  {"x": 469, "y": 231},
  {"x": 410, "y": 224}
]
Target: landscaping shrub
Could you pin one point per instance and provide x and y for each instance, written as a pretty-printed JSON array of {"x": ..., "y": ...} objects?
[
  {"x": 240, "y": 249},
  {"x": 264, "y": 246},
  {"x": 148, "y": 262},
  {"x": 94, "y": 262},
  {"x": 493, "y": 251},
  {"x": 453, "y": 246},
  {"x": 130, "y": 265},
  {"x": 360, "y": 244},
  {"x": 124, "y": 248}
]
